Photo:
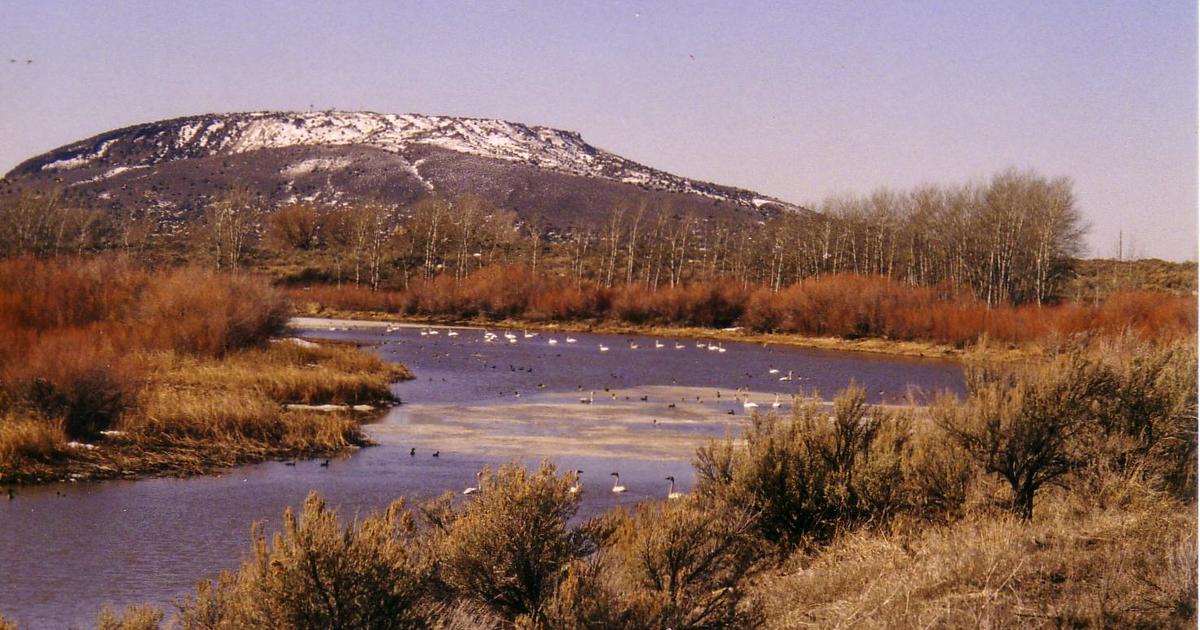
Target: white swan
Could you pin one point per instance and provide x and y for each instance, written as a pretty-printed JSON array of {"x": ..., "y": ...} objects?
[
  {"x": 671, "y": 494},
  {"x": 786, "y": 378},
  {"x": 477, "y": 486},
  {"x": 552, "y": 341},
  {"x": 773, "y": 371},
  {"x": 451, "y": 333},
  {"x": 658, "y": 344},
  {"x": 589, "y": 400},
  {"x": 679, "y": 346},
  {"x": 603, "y": 348},
  {"x": 571, "y": 340},
  {"x": 617, "y": 487},
  {"x": 576, "y": 487},
  {"x": 747, "y": 405},
  {"x": 776, "y": 404}
]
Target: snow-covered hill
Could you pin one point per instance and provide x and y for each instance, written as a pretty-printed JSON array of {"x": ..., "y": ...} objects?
[{"x": 132, "y": 153}]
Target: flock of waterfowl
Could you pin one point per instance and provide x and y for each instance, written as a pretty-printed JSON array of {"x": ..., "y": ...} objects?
[{"x": 739, "y": 397}]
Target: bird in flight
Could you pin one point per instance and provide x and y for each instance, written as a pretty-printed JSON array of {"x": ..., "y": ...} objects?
[{"x": 693, "y": 57}]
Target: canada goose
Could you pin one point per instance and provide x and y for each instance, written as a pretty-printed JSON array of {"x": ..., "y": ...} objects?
[
  {"x": 671, "y": 494},
  {"x": 617, "y": 487},
  {"x": 576, "y": 487},
  {"x": 437, "y": 453},
  {"x": 478, "y": 484},
  {"x": 590, "y": 398}
]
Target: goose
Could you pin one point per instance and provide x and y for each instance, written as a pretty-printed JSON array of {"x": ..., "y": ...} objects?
[
  {"x": 658, "y": 344},
  {"x": 478, "y": 484},
  {"x": 437, "y": 453},
  {"x": 671, "y": 494},
  {"x": 776, "y": 404},
  {"x": 576, "y": 487},
  {"x": 571, "y": 340},
  {"x": 603, "y": 348},
  {"x": 590, "y": 398},
  {"x": 617, "y": 487}
]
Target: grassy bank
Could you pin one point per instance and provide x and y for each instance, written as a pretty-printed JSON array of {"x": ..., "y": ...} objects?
[
  {"x": 1057, "y": 494},
  {"x": 115, "y": 371},
  {"x": 862, "y": 313}
]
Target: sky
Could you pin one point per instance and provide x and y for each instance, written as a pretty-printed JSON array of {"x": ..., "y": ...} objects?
[{"x": 799, "y": 100}]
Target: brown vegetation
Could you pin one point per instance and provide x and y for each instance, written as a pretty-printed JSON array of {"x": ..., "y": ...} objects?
[
  {"x": 846, "y": 306},
  {"x": 109, "y": 369},
  {"x": 855, "y": 515}
]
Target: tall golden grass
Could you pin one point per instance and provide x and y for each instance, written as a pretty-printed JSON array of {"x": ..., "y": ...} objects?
[{"x": 845, "y": 305}]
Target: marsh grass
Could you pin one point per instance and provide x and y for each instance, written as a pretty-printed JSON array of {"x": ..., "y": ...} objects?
[{"x": 163, "y": 372}]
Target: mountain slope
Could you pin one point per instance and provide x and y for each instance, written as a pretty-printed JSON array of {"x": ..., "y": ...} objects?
[{"x": 177, "y": 165}]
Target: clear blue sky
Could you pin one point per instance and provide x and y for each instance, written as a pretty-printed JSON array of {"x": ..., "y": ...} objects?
[{"x": 795, "y": 99}]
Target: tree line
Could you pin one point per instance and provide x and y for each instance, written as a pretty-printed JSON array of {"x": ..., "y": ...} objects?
[{"x": 1011, "y": 239}]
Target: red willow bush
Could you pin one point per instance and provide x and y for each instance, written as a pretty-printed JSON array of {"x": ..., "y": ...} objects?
[
  {"x": 845, "y": 305},
  {"x": 70, "y": 330}
]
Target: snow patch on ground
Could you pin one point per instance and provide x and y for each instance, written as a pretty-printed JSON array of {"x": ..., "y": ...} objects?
[{"x": 316, "y": 164}]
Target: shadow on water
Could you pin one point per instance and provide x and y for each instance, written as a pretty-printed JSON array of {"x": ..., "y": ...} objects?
[{"x": 68, "y": 549}]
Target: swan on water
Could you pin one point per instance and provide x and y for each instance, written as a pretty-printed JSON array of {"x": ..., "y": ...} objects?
[
  {"x": 576, "y": 487},
  {"x": 617, "y": 487},
  {"x": 478, "y": 484},
  {"x": 671, "y": 494}
]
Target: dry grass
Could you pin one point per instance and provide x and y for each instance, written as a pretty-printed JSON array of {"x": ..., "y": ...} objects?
[{"x": 1132, "y": 567}]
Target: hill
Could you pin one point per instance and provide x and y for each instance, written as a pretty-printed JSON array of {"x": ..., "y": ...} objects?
[{"x": 177, "y": 166}]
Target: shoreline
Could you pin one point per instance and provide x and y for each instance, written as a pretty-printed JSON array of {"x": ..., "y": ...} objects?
[{"x": 324, "y": 318}]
